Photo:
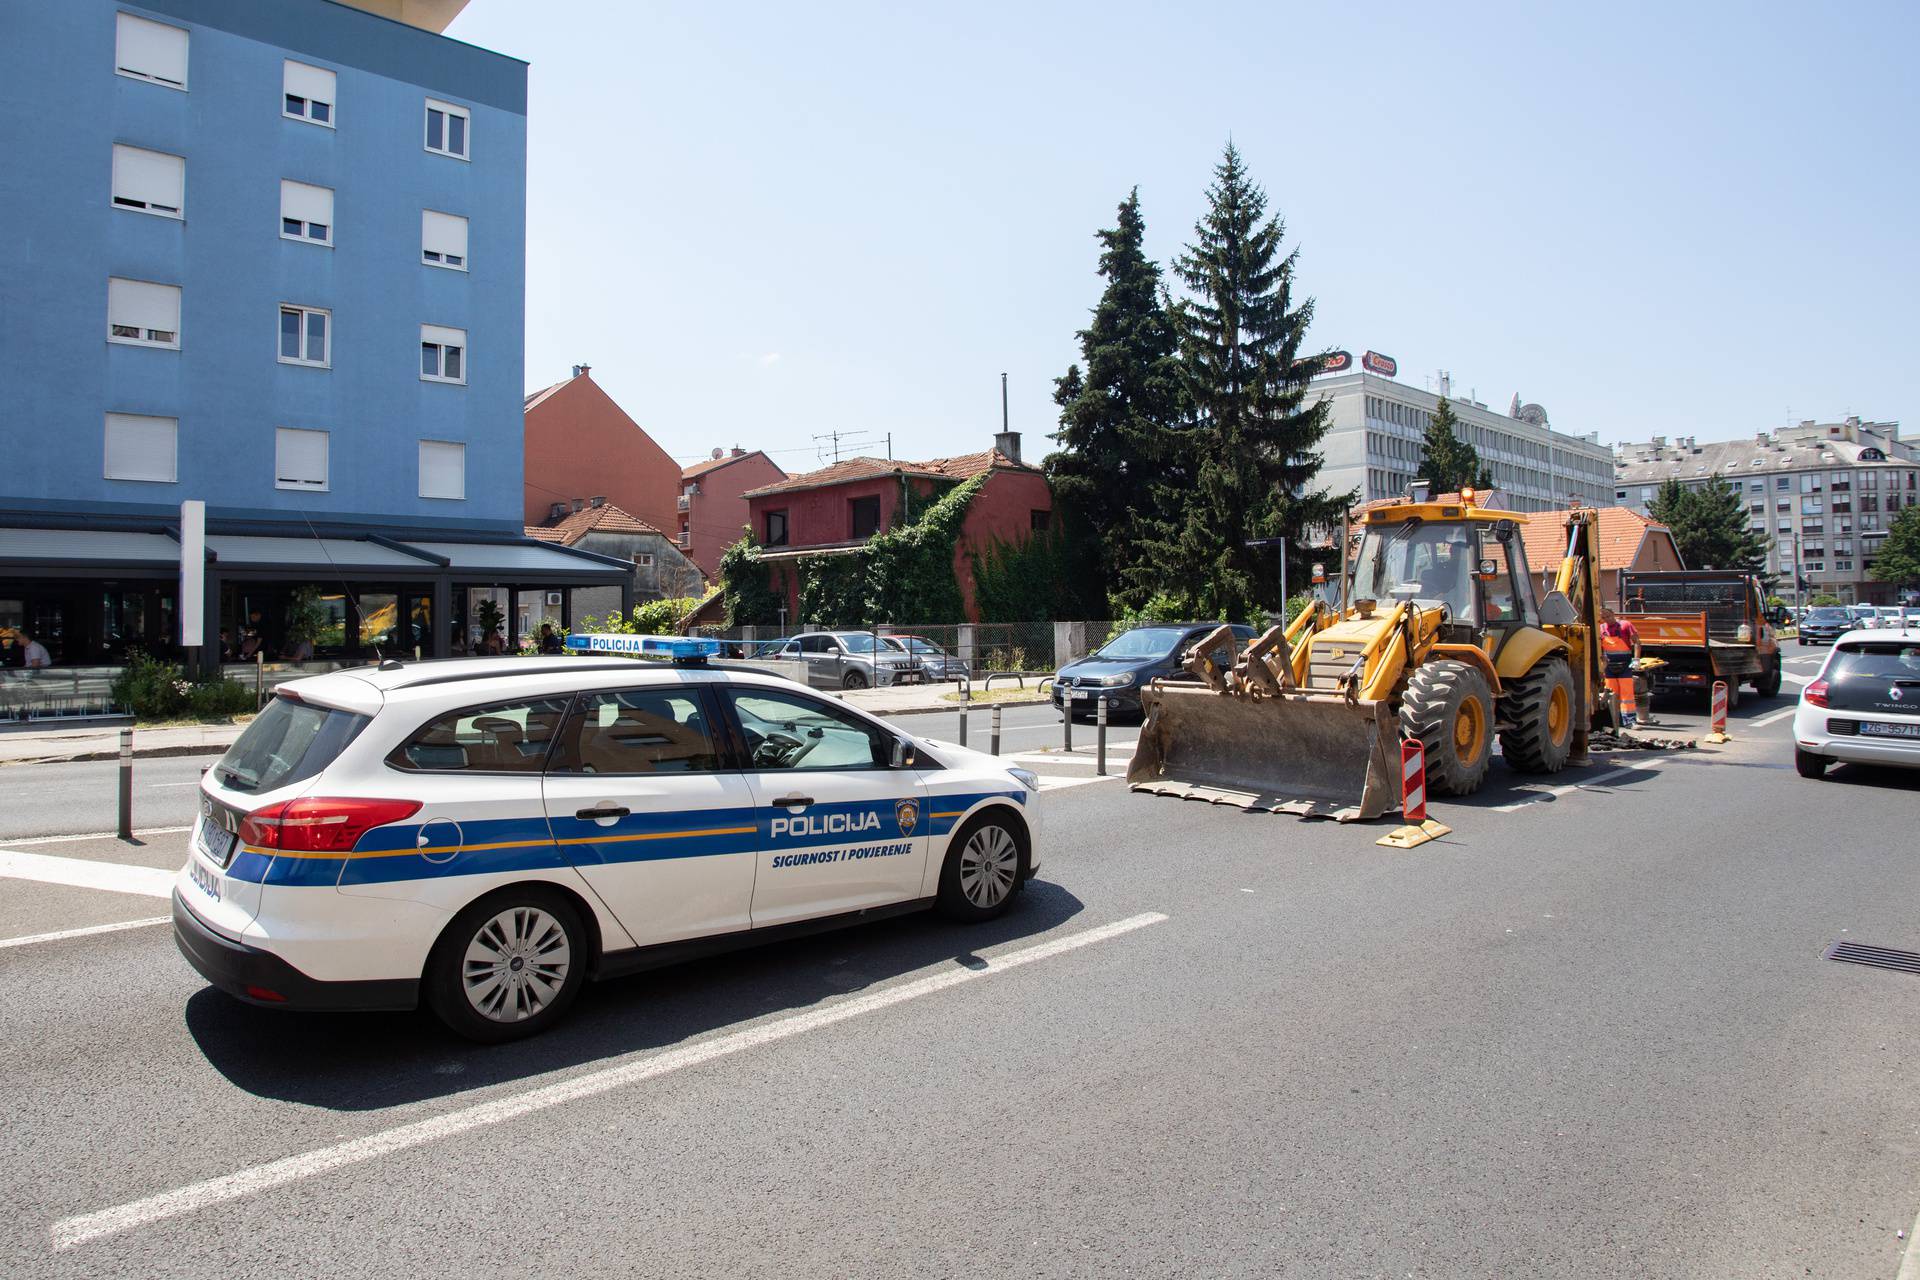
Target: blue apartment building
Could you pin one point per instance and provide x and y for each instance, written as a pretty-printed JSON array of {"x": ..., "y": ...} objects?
[{"x": 271, "y": 256}]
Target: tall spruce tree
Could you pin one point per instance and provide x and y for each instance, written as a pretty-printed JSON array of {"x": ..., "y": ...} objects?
[
  {"x": 1247, "y": 452},
  {"x": 1114, "y": 417},
  {"x": 1709, "y": 525},
  {"x": 1899, "y": 558},
  {"x": 1450, "y": 461}
]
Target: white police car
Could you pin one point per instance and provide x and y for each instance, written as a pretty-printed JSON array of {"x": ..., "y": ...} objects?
[
  {"x": 1864, "y": 706},
  {"x": 486, "y": 835}
]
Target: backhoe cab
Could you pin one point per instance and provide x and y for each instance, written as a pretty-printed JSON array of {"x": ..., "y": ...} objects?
[{"x": 1440, "y": 638}]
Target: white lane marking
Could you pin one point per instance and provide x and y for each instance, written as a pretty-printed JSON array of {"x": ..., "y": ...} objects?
[
  {"x": 1571, "y": 787},
  {"x": 87, "y": 932},
  {"x": 81, "y": 873},
  {"x": 1788, "y": 675},
  {"x": 1910, "y": 1256},
  {"x": 159, "y": 785},
  {"x": 1055, "y": 784},
  {"x": 1781, "y": 714},
  {"x": 99, "y": 835},
  {"x": 78, "y": 1230}
]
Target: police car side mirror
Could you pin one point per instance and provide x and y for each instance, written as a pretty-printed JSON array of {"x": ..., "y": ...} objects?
[{"x": 903, "y": 754}]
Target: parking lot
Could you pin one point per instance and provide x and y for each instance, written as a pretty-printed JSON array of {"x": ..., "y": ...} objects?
[{"x": 1590, "y": 1032}]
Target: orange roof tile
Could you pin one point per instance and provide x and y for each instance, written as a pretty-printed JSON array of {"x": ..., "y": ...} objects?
[
  {"x": 1618, "y": 534},
  {"x": 575, "y": 525},
  {"x": 705, "y": 465},
  {"x": 964, "y": 467}
]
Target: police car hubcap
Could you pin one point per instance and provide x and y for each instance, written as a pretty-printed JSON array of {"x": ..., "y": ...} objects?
[
  {"x": 516, "y": 964},
  {"x": 987, "y": 866}
]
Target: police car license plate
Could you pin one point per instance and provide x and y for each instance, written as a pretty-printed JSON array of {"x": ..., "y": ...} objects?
[
  {"x": 204, "y": 879},
  {"x": 1875, "y": 729},
  {"x": 216, "y": 842}
]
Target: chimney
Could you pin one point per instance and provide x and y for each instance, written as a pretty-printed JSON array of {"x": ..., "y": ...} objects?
[
  {"x": 556, "y": 510},
  {"x": 738, "y": 452},
  {"x": 582, "y": 370},
  {"x": 579, "y": 504},
  {"x": 1008, "y": 442},
  {"x": 599, "y": 501}
]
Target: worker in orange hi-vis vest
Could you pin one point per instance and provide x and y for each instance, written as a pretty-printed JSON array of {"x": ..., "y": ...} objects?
[{"x": 1620, "y": 645}]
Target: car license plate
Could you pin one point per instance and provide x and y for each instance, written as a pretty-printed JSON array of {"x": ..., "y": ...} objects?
[
  {"x": 1874, "y": 729},
  {"x": 1085, "y": 693},
  {"x": 204, "y": 879},
  {"x": 216, "y": 842}
]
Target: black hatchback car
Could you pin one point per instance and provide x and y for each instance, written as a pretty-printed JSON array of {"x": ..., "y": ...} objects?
[
  {"x": 1825, "y": 624},
  {"x": 1114, "y": 672}
]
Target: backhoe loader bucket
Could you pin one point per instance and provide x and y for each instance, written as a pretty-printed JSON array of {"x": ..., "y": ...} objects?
[{"x": 1312, "y": 754}]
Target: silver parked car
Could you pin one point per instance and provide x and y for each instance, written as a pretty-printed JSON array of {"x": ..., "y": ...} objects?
[
  {"x": 848, "y": 660},
  {"x": 935, "y": 665}
]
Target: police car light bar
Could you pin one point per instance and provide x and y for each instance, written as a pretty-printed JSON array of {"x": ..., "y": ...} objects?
[{"x": 678, "y": 647}]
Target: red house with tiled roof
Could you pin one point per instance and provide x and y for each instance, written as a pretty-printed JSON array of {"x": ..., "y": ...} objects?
[
  {"x": 1628, "y": 543},
  {"x": 660, "y": 570},
  {"x": 579, "y": 444},
  {"x": 713, "y": 503},
  {"x": 836, "y": 509}
]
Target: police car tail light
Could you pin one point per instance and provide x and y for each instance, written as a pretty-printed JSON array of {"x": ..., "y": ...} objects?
[
  {"x": 1817, "y": 693},
  {"x": 320, "y": 824}
]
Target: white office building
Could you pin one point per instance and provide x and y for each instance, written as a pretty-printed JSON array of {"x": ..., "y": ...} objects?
[{"x": 1375, "y": 444}]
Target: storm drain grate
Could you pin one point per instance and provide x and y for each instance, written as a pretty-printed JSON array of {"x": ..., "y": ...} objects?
[{"x": 1878, "y": 957}]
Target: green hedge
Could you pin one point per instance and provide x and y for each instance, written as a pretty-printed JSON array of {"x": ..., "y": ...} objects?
[{"x": 154, "y": 690}]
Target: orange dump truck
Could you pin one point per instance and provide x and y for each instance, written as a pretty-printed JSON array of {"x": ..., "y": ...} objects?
[{"x": 1706, "y": 626}]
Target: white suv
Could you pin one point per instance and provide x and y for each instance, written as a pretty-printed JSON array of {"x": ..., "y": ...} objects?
[
  {"x": 484, "y": 836},
  {"x": 1864, "y": 706}
]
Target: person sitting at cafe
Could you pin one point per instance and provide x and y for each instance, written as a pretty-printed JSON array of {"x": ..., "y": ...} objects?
[
  {"x": 249, "y": 645},
  {"x": 11, "y": 652},
  {"x": 549, "y": 642},
  {"x": 34, "y": 655}
]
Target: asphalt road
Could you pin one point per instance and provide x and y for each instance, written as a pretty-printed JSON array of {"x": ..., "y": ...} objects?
[{"x": 1589, "y": 1034}]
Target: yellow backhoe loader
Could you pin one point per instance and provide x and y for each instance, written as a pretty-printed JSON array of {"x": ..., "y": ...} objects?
[{"x": 1439, "y": 637}]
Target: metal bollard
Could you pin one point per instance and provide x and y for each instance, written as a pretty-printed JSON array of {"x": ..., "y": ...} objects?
[
  {"x": 1066, "y": 721},
  {"x": 1100, "y": 739},
  {"x": 259, "y": 680},
  {"x": 963, "y": 724},
  {"x": 126, "y": 784},
  {"x": 994, "y": 736}
]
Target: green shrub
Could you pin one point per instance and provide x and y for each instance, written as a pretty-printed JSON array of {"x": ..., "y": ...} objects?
[{"x": 154, "y": 690}]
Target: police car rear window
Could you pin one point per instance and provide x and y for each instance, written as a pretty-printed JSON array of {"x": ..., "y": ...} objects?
[
  {"x": 506, "y": 737},
  {"x": 288, "y": 742}
]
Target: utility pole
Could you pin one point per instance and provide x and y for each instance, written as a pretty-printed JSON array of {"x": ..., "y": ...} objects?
[{"x": 1282, "y": 544}]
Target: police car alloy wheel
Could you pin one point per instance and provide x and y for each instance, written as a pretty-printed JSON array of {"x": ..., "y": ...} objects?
[
  {"x": 508, "y": 965},
  {"x": 982, "y": 871}
]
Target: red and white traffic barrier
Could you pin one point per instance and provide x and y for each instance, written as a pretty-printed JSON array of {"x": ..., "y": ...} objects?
[
  {"x": 1413, "y": 780},
  {"x": 1718, "y": 722}
]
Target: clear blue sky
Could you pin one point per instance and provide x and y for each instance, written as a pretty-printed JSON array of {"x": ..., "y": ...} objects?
[{"x": 759, "y": 223}]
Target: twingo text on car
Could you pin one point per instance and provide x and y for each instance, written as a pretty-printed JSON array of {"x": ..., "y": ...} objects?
[
  {"x": 1864, "y": 706},
  {"x": 485, "y": 836},
  {"x": 1115, "y": 672}
]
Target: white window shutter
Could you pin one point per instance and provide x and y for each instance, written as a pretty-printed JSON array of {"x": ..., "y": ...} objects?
[
  {"x": 300, "y": 458},
  {"x": 149, "y": 176},
  {"x": 442, "y": 336},
  {"x": 443, "y": 233},
  {"x": 151, "y": 49},
  {"x": 312, "y": 83},
  {"x": 141, "y": 448},
  {"x": 443, "y": 469},
  {"x": 305, "y": 202},
  {"x": 143, "y": 305}
]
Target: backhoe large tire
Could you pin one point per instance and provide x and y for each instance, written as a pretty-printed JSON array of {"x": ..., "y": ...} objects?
[
  {"x": 1449, "y": 707},
  {"x": 1542, "y": 706}
]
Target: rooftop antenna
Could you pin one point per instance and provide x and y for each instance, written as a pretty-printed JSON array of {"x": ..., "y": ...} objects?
[{"x": 835, "y": 439}]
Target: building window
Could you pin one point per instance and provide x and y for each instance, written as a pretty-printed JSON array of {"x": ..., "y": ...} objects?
[
  {"x": 443, "y": 469},
  {"x": 143, "y": 314},
  {"x": 863, "y": 516},
  {"x": 306, "y": 213},
  {"x": 443, "y": 239},
  {"x": 149, "y": 181},
  {"x": 308, "y": 93},
  {"x": 776, "y": 529},
  {"x": 1783, "y": 484},
  {"x": 142, "y": 448},
  {"x": 306, "y": 336},
  {"x": 447, "y": 129},
  {"x": 443, "y": 354},
  {"x": 150, "y": 51},
  {"x": 1040, "y": 521},
  {"x": 643, "y": 559},
  {"x": 299, "y": 459},
  {"x": 1842, "y": 566}
]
